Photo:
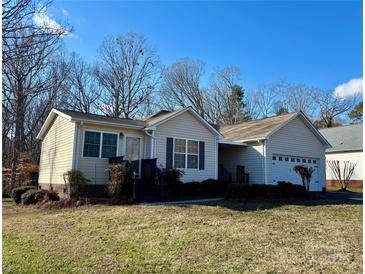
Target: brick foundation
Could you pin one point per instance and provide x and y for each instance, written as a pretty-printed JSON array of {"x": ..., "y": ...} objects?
[
  {"x": 86, "y": 190},
  {"x": 353, "y": 183}
]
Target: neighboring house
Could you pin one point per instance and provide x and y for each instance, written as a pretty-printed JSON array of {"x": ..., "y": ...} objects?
[
  {"x": 273, "y": 147},
  {"x": 346, "y": 142},
  {"x": 268, "y": 149}
]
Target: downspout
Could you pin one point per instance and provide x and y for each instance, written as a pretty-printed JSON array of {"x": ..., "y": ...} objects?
[
  {"x": 78, "y": 132},
  {"x": 264, "y": 159},
  {"x": 152, "y": 135},
  {"x": 217, "y": 157}
]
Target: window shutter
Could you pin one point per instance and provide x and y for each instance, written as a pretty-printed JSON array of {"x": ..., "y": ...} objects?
[
  {"x": 201, "y": 155},
  {"x": 169, "y": 151}
]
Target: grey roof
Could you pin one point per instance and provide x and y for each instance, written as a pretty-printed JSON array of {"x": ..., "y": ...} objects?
[
  {"x": 101, "y": 118},
  {"x": 345, "y": 138},
  {"x": 148, "y": 121},
  {"x": 256, "y": 129},
  {"x": 160, "y": 116}
]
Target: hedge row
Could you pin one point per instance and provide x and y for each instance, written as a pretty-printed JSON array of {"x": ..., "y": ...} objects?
[
  {"x": 282, "y": 190},
  {"x": 207, "y": 188}
]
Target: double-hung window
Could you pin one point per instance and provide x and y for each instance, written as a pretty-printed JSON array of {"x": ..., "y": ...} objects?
[
  {"x": 179, "y": 153},
  {"x": 193, "y": 154},
  {"x": 186, "y": 153},
  {"x": 100, "y": 144},
  {"x": 92, "y": 144}
]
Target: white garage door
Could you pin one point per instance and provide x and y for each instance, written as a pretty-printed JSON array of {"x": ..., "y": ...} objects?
[{"x": 283, "y": 170}]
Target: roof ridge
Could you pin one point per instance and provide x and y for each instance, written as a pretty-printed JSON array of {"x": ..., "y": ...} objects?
[
  {"x": 99, "y": 115},
  {"x": 329, "y": 128},
  {"x": 261, "y": 119}
]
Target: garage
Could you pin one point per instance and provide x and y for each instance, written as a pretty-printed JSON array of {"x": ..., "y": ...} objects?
[
  {"x": 272, "y": 148},
  {"x": 283, "y": 170}
]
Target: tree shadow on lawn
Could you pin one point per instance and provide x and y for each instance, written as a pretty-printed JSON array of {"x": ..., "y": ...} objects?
[{"x": 254, "y": 205}]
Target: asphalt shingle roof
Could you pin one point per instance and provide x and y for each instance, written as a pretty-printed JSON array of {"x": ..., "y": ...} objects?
[
  {"x": 101, "y": 118},
  {"x": 345, "y": 138},
  {"x": 256, "y": 129}
]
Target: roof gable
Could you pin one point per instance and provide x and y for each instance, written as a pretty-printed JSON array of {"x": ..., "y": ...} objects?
[
  {"x": 264, "y": 128},
  {"x": 160, "y": 119}
]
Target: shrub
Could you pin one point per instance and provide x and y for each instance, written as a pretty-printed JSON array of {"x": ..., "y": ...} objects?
[
  {"x": 16, "y": 193},
  {"x": 51, "y": 196},
  {"x": 281, "y": 191},
  {"x": 174, "y": 190},
  {"x": 62, "y": 203},
  {"x": 172, "y": 175},
  {"x": 121, "y": 180},
  {"x": 193, "y": 189},
  {"x": 33, "y": 196},
  {"x": 289, "y": 190},
  {"x": 214, "y": 187},
  {"x": 74, "y": 180},
  {"x": 173, "y": 187}
]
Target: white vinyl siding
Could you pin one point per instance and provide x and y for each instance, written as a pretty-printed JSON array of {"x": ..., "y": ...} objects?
[
  {"x": 186, "y": 126},
  {"x": 95, "y": 168},
  {"x": 354, "y": 157},
  {"x": 295, "y": 139},
  {"x": 56, "y": 151},
  {"x": 250, "y": 156}
]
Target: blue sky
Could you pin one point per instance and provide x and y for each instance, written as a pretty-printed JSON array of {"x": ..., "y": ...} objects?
[{"x": 317, "y": 43}]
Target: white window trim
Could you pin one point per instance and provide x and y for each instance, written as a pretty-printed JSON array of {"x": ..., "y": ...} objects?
[
  {"x": 100, "y": 144},
  {"x": 186, "y": 153}
]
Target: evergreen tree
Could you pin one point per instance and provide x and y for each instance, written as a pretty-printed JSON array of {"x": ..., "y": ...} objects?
[
  {"x": 356, "y": 114},
  {"x": 236, "y": 108}
]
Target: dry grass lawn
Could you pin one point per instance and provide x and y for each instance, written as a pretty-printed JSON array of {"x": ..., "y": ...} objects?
[{"x": 224, "y": 237}]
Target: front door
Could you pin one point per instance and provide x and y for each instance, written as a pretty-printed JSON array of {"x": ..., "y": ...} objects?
[{"x": 133, "y": 152}]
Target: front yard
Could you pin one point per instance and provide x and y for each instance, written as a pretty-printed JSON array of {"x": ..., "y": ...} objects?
[{"x": 223, "y": 237}]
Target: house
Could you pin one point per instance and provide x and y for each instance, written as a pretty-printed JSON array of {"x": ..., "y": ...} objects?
[
  {"x": 273, "y": 146},
  {"x": 346, "y": 142},
  {"x": 266, "y": 149},
  {"x": 74, "y": 140}
]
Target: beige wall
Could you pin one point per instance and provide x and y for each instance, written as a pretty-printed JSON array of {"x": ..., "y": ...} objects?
[
  {"x": 295, "y": 139},
  {"x": 56, "y": 151},
  {"x": 59, "y": 148},
  {"x": 250, "y": 156},
  {"x": 95, "y": 168},
  {"x": 355, "y": 157},
  {"x": 187, "y": 126}
]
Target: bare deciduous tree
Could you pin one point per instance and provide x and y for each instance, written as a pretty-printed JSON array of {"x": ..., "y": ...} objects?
[
  {"x": 332, "y": 106},
  {"x": 27, "y": 52},
  {"x": 181, "y": 86},
  {"x": 128, "y": 71},
  {"x": 300, "y": 98},
  {"x": 84, "y": 88},
  {"x": 343, "y": 175},
  {"x": 266, "y": 98}
]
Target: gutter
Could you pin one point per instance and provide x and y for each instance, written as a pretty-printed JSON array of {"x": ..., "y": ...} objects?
[{"x": 108, "y": 123}]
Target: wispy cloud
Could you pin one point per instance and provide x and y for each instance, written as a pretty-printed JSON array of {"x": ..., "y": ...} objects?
[
  {"x": 65, "y": 12},
  {"x": 42, "y": 20},
  {"x": 349, "y": 89}
]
